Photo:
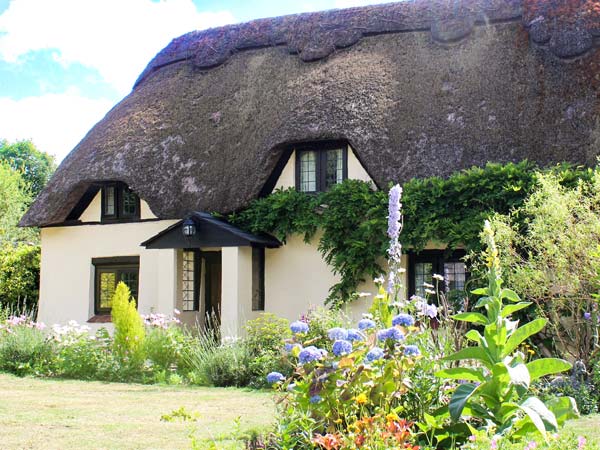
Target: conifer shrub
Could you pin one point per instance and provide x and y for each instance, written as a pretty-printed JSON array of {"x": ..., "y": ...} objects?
[{"x": 129, "y": 327}]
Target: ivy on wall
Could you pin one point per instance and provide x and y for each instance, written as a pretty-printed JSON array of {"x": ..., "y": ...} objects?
[{"x": 353, "y": 216}]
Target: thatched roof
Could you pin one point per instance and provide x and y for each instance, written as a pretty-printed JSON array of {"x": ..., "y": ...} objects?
[{"x": 417, "y": 88}]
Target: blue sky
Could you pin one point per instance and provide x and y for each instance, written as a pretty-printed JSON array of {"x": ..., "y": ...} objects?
[{"x": 65, "y": 63}]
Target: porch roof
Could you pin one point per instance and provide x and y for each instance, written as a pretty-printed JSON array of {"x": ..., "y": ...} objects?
[{"x": 210, "y": 232}]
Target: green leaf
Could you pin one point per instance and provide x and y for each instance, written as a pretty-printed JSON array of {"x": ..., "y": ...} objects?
[
  {"x": 476, "y": 353},
  {"x": 511, "y": 309},
  {"x": 535, "y": 418},
  {"x": 519, "y": 375},
  {"x": 535, "y": 404},
  {"x": 479, "y": 291},
  {"x": 459, "y": 399},
  {"x": 522, "y": 333},
  {"x": 461, "y": 373},
  {"x": 510, "y": 295},
  {"x": 475, "y": 336},
  {"x": 472, "y": 317},
  {"x": 563, "y": 408},
  {"x": 546, "y": 366}
]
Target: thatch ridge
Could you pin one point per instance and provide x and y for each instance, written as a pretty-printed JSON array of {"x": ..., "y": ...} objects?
[{"x": 213, "y": 113}]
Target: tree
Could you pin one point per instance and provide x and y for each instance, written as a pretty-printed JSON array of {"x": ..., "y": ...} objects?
[
  {"x": 14, "y": 199},
  {"x": 35, "y": 166}
]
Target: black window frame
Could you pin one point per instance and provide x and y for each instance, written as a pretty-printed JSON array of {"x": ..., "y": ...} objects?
[
  {"x": 120, "y": 190},
  {"x": 258, "y": 292},
  {"x": 437, "y": 258},
  {"x": 117, "y": 264},
  {"x": 321, "y": 148},
  {"x": 197, "y": 279}
]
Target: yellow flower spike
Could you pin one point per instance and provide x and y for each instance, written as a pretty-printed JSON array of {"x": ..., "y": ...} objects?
[{"x": 361, "y": 399}]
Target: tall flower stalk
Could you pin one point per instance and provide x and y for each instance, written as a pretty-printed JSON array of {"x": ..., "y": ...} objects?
[{"x": 395, "y": 248}]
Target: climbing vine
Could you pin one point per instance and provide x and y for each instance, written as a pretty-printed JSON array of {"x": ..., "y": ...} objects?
[{"x": 352, "y": 215}]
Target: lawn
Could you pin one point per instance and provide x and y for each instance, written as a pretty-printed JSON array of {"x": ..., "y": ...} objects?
[{"x": 64, "y": 414}]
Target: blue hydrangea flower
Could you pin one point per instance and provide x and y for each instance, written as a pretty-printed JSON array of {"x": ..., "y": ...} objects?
[
  {"x": 289, "y": 347},
  {"x": 310, "y": 354},
  {"x": 354, "y": 335},
  {"x": 405, "y": 320},
  {"x": 337, "y": 334},
  {"x": 316, "y": 399},
  {"x": 374, "y": 354},
  {"x": 412, "y": 350},
  {"x": 299, "y": 327},
  {"x": 341, "y": 347},
  {"x": 392, "y": 333},
  {"x": 365, "y": 324},
  {"x": 274, "y": 377}
]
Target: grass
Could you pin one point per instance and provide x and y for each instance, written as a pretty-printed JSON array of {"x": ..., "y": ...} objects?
[
  {"x": 64, "y": 414},
  {"x": 588, "y": 426}
]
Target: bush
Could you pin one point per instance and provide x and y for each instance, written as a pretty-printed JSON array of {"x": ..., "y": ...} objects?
[
  {"x": 19, "y": 275},
  {"x": 129, "y": 328},
  {"x": 164, "y": 345},
  {"x": 24, "y": 348}
]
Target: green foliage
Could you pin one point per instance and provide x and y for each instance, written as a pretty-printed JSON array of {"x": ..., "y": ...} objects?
[
  {"x": 19, "y": 275},
  {"x": 35, "y": 165},
  {"x": 497, "y": 388},
  {"x": 129, "y": 327},
  {"x": 352, "y": 215},
  {"x": 549, "y": 250},
  {"x": 24, "y": 348},
  {"x": 164, "y": 347},
  {"x": 14, "y": 200}
]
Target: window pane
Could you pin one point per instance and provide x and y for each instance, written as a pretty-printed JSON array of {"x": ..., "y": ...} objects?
[
  {"x": 107, "y": 289},
  {"x": 130, "y": 278},
  {"x": 308, "y": 171},
  {"x": 188, "y": 281},
  {"x": 109, "y": 201},
  {"x": 334, "y": 167},
  {"x": 129, "y": 203},
  {"x": 258, "y": 279},
  {"x": 423, "y": 274},
  {"x": 455, "y": 274}
]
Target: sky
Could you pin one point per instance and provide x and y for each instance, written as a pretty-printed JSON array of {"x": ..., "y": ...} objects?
[{"x": 65, "y": 63}]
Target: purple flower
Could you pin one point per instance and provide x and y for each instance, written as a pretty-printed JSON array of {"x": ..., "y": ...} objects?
[
  {"x": 274, "y": 377},
  {"x": 412, "y": 350},
  {"x": 337, "y": 334},
  {"x": 392, "y": 333},
  {"x": 374, "y": 354},
  {"x": 299, "y": 327},
  {"x": 316, "y": 399},
  {"x": 405, "y": 320},
  {"x": 587, "y": 315},
  {"x": 310, "y": 354},
  {"x": 342, "y": 347},
  {"x": 365, "y": 324},
  {"x": 394, "y": 212},
  {"x": 354, "y": 335}
]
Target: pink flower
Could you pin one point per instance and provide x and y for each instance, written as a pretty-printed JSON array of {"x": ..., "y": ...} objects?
[
  {"x": 531, "y": 445},
  {"x": 494, "y": 444},
  {"x": 581, "y": 441},
  {"x": 472, "y": 438},
  {"x": 176, "y": 312}
]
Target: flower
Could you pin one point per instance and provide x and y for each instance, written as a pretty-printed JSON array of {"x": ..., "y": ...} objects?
[
  {"x": 176, "y": 312},
  {"x": 299, "y": 327},
  {"x": 405, "y": 320},
  {"x": 493, "y": 444},
  {"x": 364, "y": 294},
  {"x": 379, "y": 280},
  {"x": 354, "y": 335},
  {"x": 581, "y": 441},
  {"x": 531, "y": 445},
  {"x": 428, "y": 285},
  {"x": 392, "y": 333},
  {"x": 587, "y": 315},
  {"x": 374, "y": 354},
  {"x": 337, "y": 334},
  {"x": 430, "y": 291},
  {"x": 289, "y": 347},
  {"x": 472, "y": 438},
  {"x": 365, "y": 324},
  {"x": 394, "y": 206},
  {"x": 361, "y": 398},
  {"x": 438, "y": 277},
  {"x": 310, "y": 354},
  {"x": 341, "y": 347},
  {"x": 431, "y": 311},
  {"x": 316, "y": 399},
  {"x": 275, "y": 377},
  {"x": 412, "y": 350}
]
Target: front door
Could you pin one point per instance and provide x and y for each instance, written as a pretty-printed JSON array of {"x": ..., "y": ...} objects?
[{"x": 212, "y": 283}]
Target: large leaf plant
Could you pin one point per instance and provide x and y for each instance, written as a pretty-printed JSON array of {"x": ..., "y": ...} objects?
[{"x": 495, "y": 382}]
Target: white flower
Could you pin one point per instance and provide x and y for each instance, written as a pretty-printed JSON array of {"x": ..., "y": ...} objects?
[
  {"x": 438, "y": 277},
  {"x": 380, "y": 296},
  {"x": 176, "y": 312},
  {"x": 401, "y": 270},
  {"x": 427, "y": 285},
  {"x": 430, "y": 291},
  {"x": 367, "y": 315},
  {"x": 379, "y": 280}
]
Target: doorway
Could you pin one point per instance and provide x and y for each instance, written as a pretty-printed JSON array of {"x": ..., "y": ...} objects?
[{"x": 212, "y": 287}]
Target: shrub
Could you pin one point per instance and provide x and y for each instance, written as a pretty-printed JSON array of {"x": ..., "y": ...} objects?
[
  {"x": 164, "y": 346},
  {"x": 24, "y": 348},
  {"x": 129, "y": 327},
  {"x": 19, "y": 275}
]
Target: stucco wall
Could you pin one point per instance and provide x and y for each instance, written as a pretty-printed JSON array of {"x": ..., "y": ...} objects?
[
  {"x": 287, "y": 179},
  {"x": 67, "y": 273}
]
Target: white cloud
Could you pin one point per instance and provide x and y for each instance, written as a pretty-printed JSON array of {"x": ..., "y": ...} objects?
[
  {"x": 55, "y": 122},
  {"x": 116, "y": 37}
]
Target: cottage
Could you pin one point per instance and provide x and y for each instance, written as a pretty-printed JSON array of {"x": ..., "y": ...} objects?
[{"x": 223, "y": 116}]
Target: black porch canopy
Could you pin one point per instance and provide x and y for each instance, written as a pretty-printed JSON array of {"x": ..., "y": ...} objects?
[{"x": 208, "y": 231}]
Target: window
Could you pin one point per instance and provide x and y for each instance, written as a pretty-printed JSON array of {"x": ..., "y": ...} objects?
[
  {"x": 319, "y": 167},
  {"x": 258, "y": 279},
  {"x": 108, "y": 273},
  {"x": 423, "y": 265},
  {"x": 119, "y": 202},
  {"x": 190, "y": 280}
]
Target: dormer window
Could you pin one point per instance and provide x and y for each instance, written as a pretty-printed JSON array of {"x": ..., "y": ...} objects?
[
  {"x": 320, "y": 166},
  {"x": 119, "y": 202}
]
